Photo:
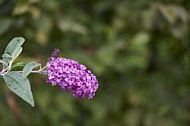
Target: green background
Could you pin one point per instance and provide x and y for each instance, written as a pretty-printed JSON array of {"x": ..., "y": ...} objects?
[{"x": 138, "y": 49}]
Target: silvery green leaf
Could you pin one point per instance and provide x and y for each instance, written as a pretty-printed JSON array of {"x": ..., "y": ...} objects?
[
  {"x": 19, "y": 86},
  {"x": 13, "y": 45},
  {"x": 1, "y": 61},
  {"x": 19, "y": 64},
  {"x": 16, "y": 52},
  {"x": 28, "y": 68},
  {"x": 6, "y": 56}
]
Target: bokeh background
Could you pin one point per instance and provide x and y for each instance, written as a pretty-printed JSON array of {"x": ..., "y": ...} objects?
[{"x": 138, "y": 49}]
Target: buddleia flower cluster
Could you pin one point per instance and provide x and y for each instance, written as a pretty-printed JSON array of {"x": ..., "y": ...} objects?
[
  {"x": 68, "y": 74},
  {"x": 71, "y": 76}
]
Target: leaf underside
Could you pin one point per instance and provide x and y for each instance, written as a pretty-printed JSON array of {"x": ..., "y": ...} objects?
[
  {"x": 13, "y": 45},
  {"x": 28, "y": 68},
  {"x": 19, "y": 86}
]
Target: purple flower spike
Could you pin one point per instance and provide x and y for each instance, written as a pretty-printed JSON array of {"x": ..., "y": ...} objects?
[
  {"x": 55, "y": 54},
  {"x": 71, "y": 76}
]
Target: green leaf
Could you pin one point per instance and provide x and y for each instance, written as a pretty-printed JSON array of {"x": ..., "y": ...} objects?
[
  {"x": 28, "y": 68},
  {"x": 12, "y": 46},
  {"x": 16, "y": 52},
  {"x": 19, "y": 86},
  {"x": 19, "y": 64},
  {"x": 6, "y": 56},
  {"x": 1, "y": 61}
]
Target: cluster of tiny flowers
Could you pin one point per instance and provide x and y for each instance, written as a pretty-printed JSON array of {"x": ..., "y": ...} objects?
[
  {"x": 71, "y": 76},
  {"x": 55, "y": 53}
]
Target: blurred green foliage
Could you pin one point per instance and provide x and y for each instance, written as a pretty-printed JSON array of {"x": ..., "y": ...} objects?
[{"x": 139, "y": 50}]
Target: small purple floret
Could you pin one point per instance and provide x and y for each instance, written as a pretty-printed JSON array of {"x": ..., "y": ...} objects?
[
  {"x": 55, "y": 54},
  {"x": 71, "y": 76}
]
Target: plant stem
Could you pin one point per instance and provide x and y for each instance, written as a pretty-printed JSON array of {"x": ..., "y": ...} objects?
[{"x": 40, "y": 71}]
